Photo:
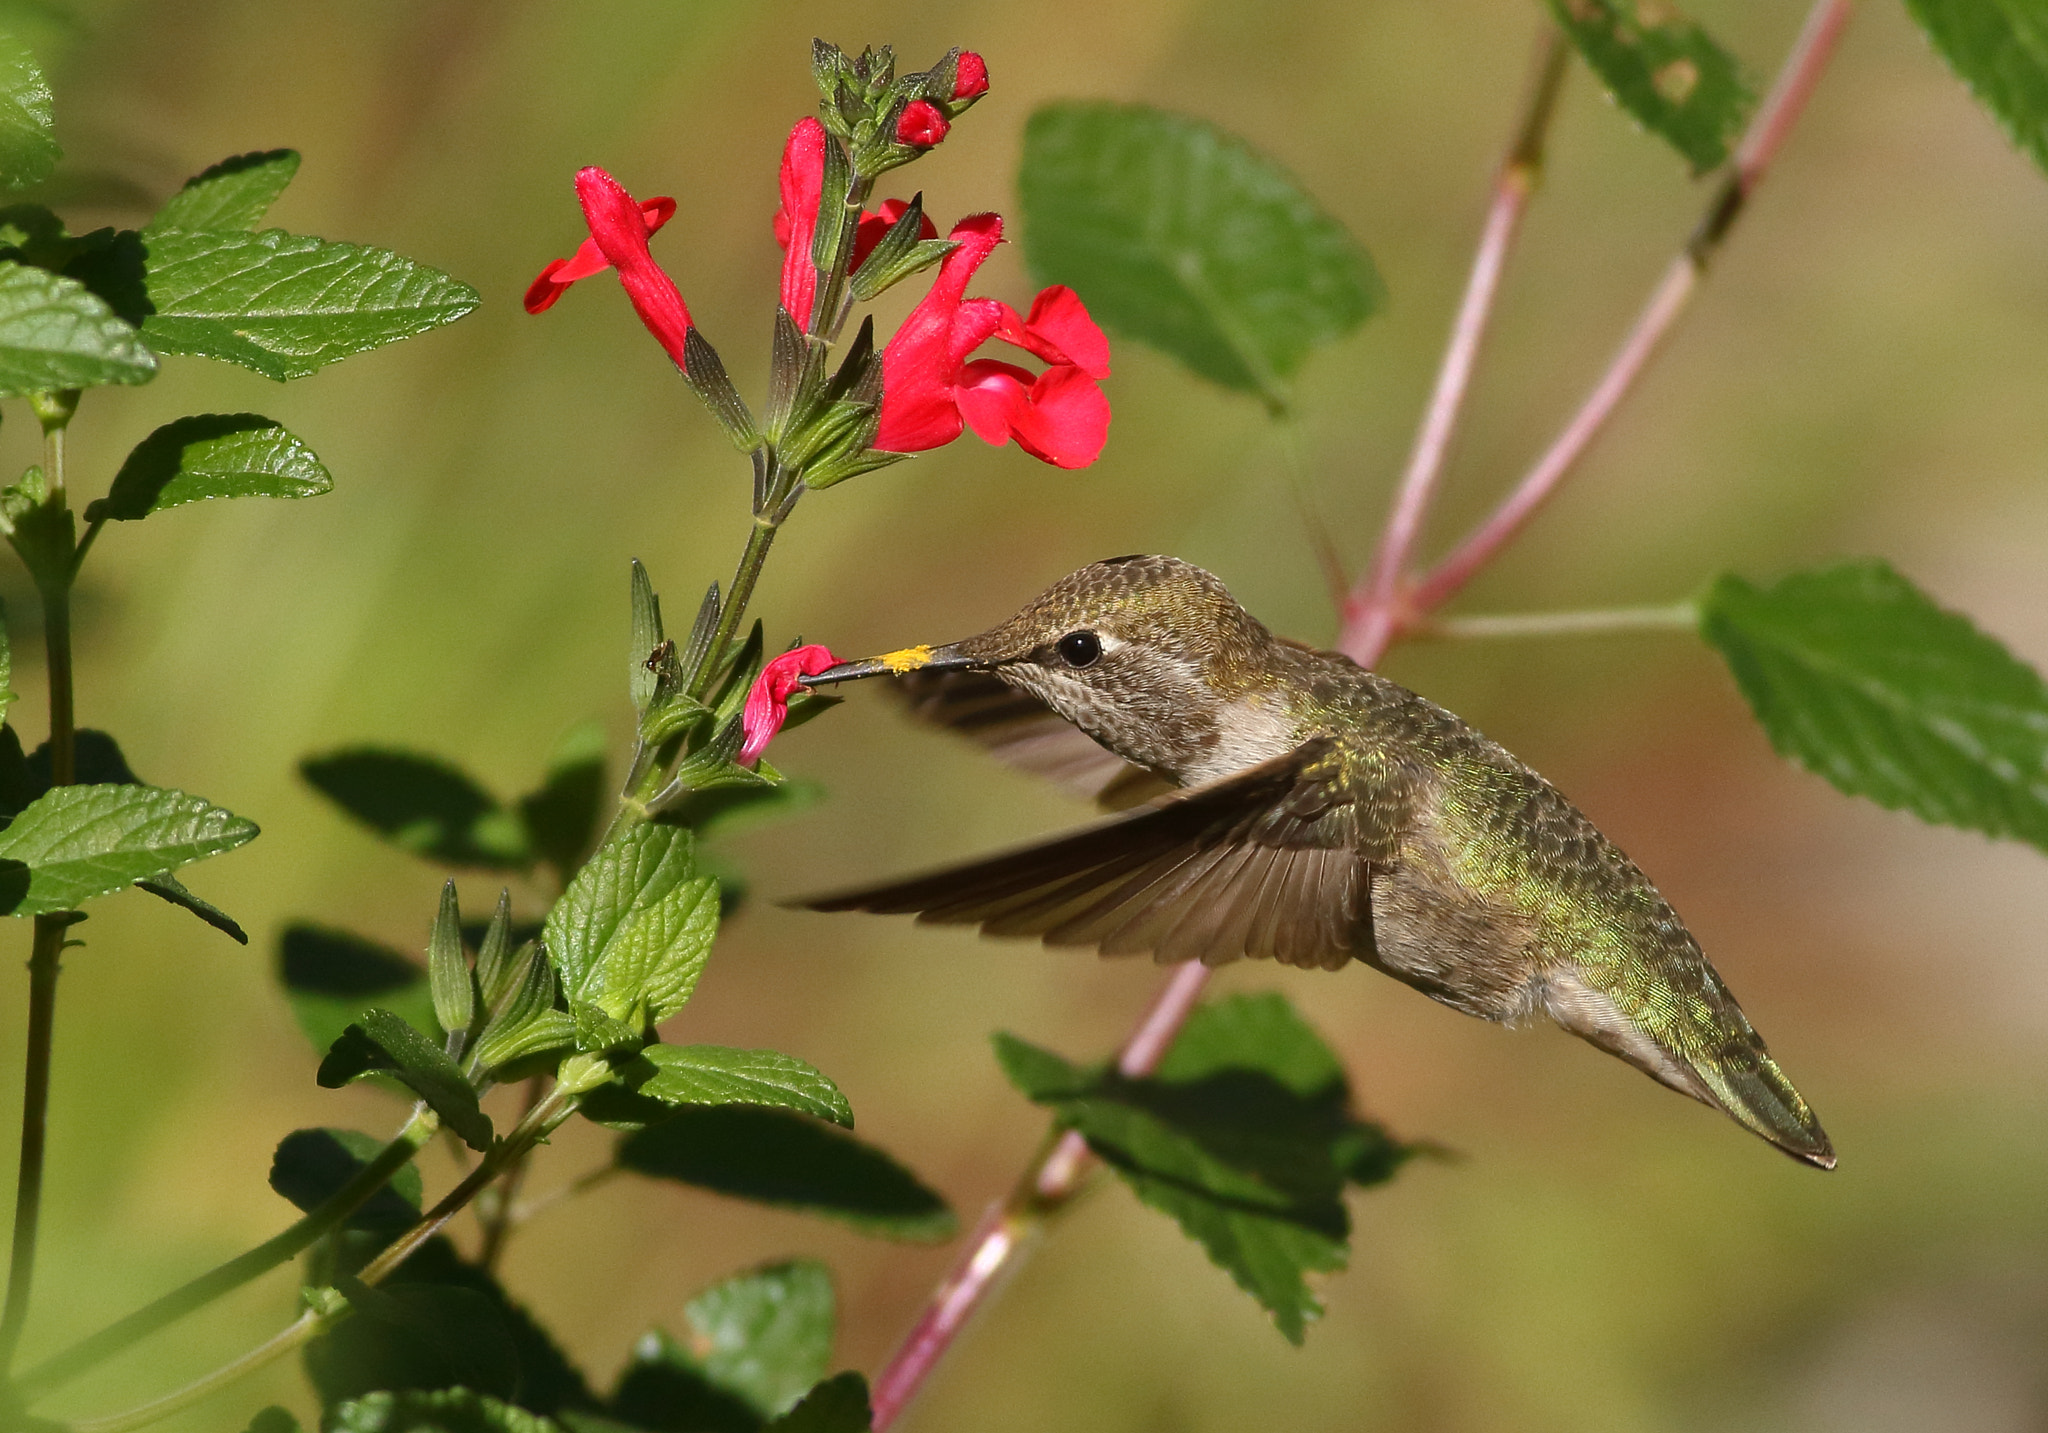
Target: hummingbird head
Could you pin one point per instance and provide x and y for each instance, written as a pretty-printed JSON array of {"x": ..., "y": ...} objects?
[{"x": 1148, "y": 655}]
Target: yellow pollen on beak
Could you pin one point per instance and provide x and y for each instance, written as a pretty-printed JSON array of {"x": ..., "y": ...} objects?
[{"x": 907, "y": 660}]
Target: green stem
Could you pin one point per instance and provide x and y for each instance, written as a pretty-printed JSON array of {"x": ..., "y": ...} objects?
[
  {"x": 744, "y": 578},
  {"x": 826, "y": 318},
  {"x": 1679, "y": 616},
  {"x": 328, "y": 1216},
  {"x": 537, "y": 1124}
]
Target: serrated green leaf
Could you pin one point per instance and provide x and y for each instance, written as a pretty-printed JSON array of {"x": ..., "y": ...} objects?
[
  {"x": 55, "y": 333},
  {"x": 448, "y": 975},
  {"x": 1664, "y": 70},
  {"x": 560, "y": 817},
  {"x": 765, "y": 1336},
  {"x": 287, "y": 305},
  {"x": 775, "y": 1157},
  {"x": 720, "y": 1075},
  {"x": 331, "y": 976},
  {"x": 447, "y": 1410},
  {"x": 1244, "y": 1136},
  {"x": 233, "y": 194},
  {"x": 1858, "y": 676},
  {"x": 380, "y": 1042},
  {"x": 1183, "y": 236},
  {"x": 838, "y": 1405},
  {"x": 312, "y": 1165},
  {"x": 211, "y": 455},
  {"x": 422, "y": 804},
  {"x": 77, "y": 842},
  {"x": 632, "y": 932},
  {"x": 1999, "y": 48},
  {"x": 28, "y": 151}
]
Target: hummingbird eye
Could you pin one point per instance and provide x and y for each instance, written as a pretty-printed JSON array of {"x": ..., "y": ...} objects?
[{"x": 1080, "y": 649}]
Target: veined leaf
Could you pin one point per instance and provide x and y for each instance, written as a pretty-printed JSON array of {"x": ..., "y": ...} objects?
[
  {"x": 380, "y": 1042},
  {"x": 2000, "y": 49},
  {"x": 55, "y": 333},
  {"x": 28, "y": 151},
  {"x": 77, "y": 842},
  {"x": 287, "y": 305},
  {"x": 670, "y": 1075},
  {"x": 1857, "y": 675},
  {"x": 1183, "y": 236},
  {"x": 632, "y": 932},
  {"x": 1664, "y": 70},
  {"x": 211, "y": 455},
  {"x": 233, "y": 194},
  {"x": 760, "y": 1339}
]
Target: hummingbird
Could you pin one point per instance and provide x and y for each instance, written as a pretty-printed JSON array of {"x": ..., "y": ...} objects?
[{"x": 1276, "y": 801}]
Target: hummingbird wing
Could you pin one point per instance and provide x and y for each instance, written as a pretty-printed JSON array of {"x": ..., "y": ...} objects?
[
  {"x": 1023, "y": 731},
  {"x": 1264, "y": 863}
]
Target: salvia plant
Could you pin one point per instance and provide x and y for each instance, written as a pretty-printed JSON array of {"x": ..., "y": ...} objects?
[{"x": 1230, "y": 1116}]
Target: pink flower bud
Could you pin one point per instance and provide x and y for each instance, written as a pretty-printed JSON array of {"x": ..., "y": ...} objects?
[
  {"x": 972, "y": 81},
  {"x": 922, "y": 125}
]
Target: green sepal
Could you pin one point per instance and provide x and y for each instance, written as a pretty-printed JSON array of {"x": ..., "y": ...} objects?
[
  {"x": 496, "y": 970},
  {"x": 645, "y": 635},
  {"x": 528, "y": 1024},
  {"x": 900, "y": 253},
  {"x": 705, "y": 372},
  {"x": 448, "y": 974},
  {"x": 381, "y": 1042}
]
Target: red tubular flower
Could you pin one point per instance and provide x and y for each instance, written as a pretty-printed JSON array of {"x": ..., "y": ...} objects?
[
  {"x": 588, "y": 260},
  {"x": 796, "y": 221},
  {"x": 618, "y": 239},
  {"x": 931, "y": 391},
  {"x": 922, "y": 125},
  {"x": 971, "y": 78},
  {"x": 768, "y": 701}
]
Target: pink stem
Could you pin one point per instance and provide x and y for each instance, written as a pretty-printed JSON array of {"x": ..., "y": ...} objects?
[
  {"x": 1373, "y": 612},
  {"x": 1753, "y": 156}
]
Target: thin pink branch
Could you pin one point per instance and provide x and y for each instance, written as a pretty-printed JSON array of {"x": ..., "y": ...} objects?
[
  {"x": 1372, "y": 612},
  {"x": 1759, "y": 146}
]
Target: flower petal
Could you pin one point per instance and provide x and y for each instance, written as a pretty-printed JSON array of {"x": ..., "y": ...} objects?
[
  {"x": 971, "y": 79},
  {"x": 1059, "y": 330},
  {"x": 619, "y": 228},
  {"x": 875, "y": 223},
  {"x": 921, "y": 125},
  {"x": 796, "y": 222},
  {"x": 1065, "y": 421},
  {"x": 991, "y": 397},
  {"x": 768, "y": 700},
  {"x": 922, "y": 363},
  {"x": 588, "y": 260}
]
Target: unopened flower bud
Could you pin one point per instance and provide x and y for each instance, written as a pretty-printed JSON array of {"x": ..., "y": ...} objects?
[
  {"x": 972, "y": 78},
  {"x": 922, "y": 125}
]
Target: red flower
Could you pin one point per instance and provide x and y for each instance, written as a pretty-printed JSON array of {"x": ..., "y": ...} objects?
[
  {"x": 619, "y": 228},
  {"x": 971, "y": 79},
  {"x": 796, "y": 221},
  {"x": 768, "y": 701},
  {"x": 931, "y": 389},
  {"x": 922, "y": 125}
]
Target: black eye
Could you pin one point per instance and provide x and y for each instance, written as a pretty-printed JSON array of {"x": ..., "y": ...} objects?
[{"x": 1080, "y": 649}]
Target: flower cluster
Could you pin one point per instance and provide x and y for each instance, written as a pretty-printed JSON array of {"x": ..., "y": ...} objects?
[{"x": 932, "y": 387}]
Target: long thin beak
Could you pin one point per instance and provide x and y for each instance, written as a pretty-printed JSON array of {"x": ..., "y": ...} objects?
[{"x": 894, "y": 664}]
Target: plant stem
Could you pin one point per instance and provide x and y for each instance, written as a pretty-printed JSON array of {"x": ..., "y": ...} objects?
[
  {"x": 496, "y": 1212},
  {"x": 1760, "y": 144},
  {"x": 1679, "y": 616},
  {"x": 1372, "y": 612},
  {"x": 1044, "y": 1189},
  {"x": 329, "y": 1215},
  {"x": 744, "y": 577}
]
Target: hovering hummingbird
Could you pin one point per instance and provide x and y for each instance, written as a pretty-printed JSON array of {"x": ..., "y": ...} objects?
[{"x": 1315, "y": 813}]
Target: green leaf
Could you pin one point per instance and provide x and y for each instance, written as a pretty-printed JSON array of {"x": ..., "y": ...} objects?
[
  {"x": 274, "y": 1419},
  {"x": 763, "y": 1337},
  {"x": 55, "y": 333},
  {"x": 348, "y": 1366},
  {"x": 838, "y": 1405},
  {"x": 77, "y": 842},
  {"x": 330, "y": 976},
  {"x": 211, "y": 455},
  {"x": 286, "y": 305},
  {"x": 1183, "y": 236},
  {"x": 8, "y": 696},
  {"x": 2000, "y": 50},
  {"x": 422, "y": 804},
  {"x": 312, "y": 1165},
  {"x": 1244, "y": 1136},
  {"x": 1664, "y": 70},
  {"x": 167, "y": 887},
  {"x": 448, "y": 975},
  {"x": 447, "y": 1410},
  {"x": 632, "y": 932},
  {"x": 233, "y": 194},
  {"x": 1858, "y": 676},
  {"x": 670, "y": 1075},
  {"x": 664, "y": 1388},
  {"x": 775, "y": 1157},
  {"x": 561, "y": 817},
  {"x": 413, "y": 1336},
  {"x": 28, "y": 151},
  {"x": 527, "y": 1022},
  {"x": 381, "y": 1042}
]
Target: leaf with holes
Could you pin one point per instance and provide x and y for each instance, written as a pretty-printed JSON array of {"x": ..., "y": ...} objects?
[
  {"x": 1857, "y": 675},
  {"x": 55, "y": 333},
  {"x": 77, "y": 842},
  {"x": 1187, "y": 238},
  {"x": 1664, "y": 70}
]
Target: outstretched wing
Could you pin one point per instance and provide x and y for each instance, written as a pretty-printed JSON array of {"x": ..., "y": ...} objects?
[
  {"x": 1018, "y": 728},
  {"x": 1263, "y": 863}
]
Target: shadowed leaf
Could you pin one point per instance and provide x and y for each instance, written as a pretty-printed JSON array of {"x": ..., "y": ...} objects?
[
  {"x": 380, "y": 1042},
  {"x": 448, "y": 1410},
  {"x": 56, "y": 333},
  {"x": 312, "y": 1165},
  {"x": 838, "y": 1405},
  {"x": 233, "y": 194},
  {"x": 422, "y": 804},
  {"x": 331, "y": 976},
  {"x": 561, "y": 817},
  {"x": 28, "y": 152}
]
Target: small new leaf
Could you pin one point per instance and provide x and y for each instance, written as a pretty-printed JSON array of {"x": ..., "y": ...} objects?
[
  {"x": 28, "y": 151},
  {"x": 77, "y": 842},
  {"x": 380, "y": 1042},
  {"x": 1858, "y": 676},
  {"x": 287, "y": 305},
  {"x": 55, "y": 333},
  {"x": 233, "y": 194},
  {"x": 1664, "y": 70},
  {"x": 1185, "y": 237},
  {"x": 2000, "y": 50},
  {"x": 213, "y": 455}
]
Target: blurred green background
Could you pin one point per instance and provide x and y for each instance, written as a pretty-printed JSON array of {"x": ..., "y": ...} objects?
[{"x": 1866, "y": 372}]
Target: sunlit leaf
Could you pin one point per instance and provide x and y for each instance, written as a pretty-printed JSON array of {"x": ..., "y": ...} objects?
[
  {"x": 758, "y": 1341},
  {"x": 632, "y": 932},
  {"x": 76, "y": 842},
  {"x": 212, "y": 455},
  {"x": 233, "y": 194},
  {"x": 380, "y": 1042},
  {"x": 448, "y": 1410},
  {"x": 55, "y": 333},
  {"x": 719, "y": 1075},
  {"x": 1664, "y": 70},
  {"x": 28, "y": 151}
]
